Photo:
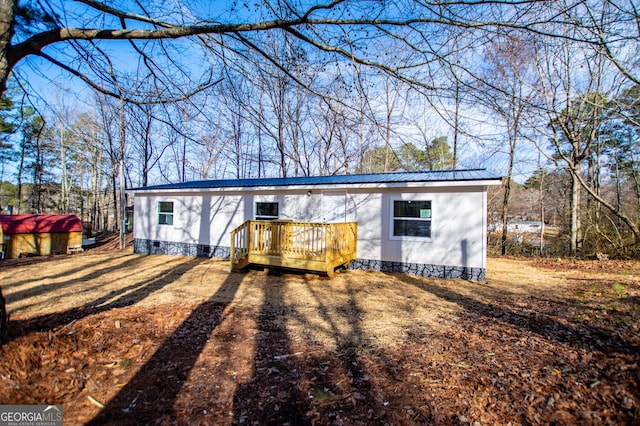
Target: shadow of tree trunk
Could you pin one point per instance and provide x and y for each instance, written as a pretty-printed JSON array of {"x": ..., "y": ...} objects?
[
  {"x": 4, "y": 330},
  {"x": 268, "y": 397},
  {"x": 138, "y": 292},
  {"x": 358, "y": 389},
  {"x": 579, "y": 335},
  {"x": 165, "y": 373}
]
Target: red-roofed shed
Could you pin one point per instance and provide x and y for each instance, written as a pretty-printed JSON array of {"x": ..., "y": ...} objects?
[{"x": 27, "y": 234}]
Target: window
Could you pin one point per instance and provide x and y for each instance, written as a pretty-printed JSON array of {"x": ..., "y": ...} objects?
[
  {"x": 266, "y": 211},
  {"x": 411, "y": 218},
  {"x": 165, "y": 213}
]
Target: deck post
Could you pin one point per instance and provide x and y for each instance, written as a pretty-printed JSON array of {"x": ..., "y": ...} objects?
[
  {"x": 271, "y": 237},
  {"x": 248, "y": 238},
  {"x": 287, "y": 237},
  {"x": 328, "y": 255},
  {"x": 232, "y": 249}
]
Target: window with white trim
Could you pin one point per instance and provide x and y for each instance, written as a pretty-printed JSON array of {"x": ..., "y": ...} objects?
[
  {"x": 411, "y": 218},
  {"x": 165, "y": 213},
  {"x": 266, "y": 211}
]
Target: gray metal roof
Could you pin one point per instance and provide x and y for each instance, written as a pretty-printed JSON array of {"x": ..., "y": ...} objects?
[{"x": 394, "y": 177}]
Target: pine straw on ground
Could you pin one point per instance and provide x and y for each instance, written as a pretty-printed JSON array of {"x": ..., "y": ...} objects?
[{"x": 120, "y": 338}]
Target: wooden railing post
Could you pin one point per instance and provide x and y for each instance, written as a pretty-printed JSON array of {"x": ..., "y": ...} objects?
[
  {"x": 232, "y": 253},
  {"x": 354, "y": 240},
  {"x": 237, "y": 251},
  {"x": 275, "y": 238},
  {"x": 287, "y": 237},
  {"x": 329, "y": 249}
]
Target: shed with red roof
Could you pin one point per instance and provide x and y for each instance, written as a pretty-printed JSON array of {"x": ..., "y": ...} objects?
[{"x": 40, "y": 235}]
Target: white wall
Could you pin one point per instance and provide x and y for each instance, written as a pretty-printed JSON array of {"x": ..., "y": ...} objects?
[
  {"x": 458, "y": 227},
  {"x": 197, "y": 219},
  {"x": 458, "y": 220}
]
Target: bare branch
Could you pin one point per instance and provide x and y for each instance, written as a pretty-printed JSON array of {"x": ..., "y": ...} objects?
[{"x": 104, "y": 91}]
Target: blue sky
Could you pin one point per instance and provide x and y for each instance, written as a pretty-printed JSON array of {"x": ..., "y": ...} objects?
[{"x": 54, "y": 84}]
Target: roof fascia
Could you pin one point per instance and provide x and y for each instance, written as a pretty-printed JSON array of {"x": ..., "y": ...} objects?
[{"x": 316, "y": 187}]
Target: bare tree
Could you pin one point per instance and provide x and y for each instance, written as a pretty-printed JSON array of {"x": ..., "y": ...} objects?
[
  {"x": 575, "y": 86},
  {"x": 506, "y": 89},
  {"x": 89, "y": 133}
]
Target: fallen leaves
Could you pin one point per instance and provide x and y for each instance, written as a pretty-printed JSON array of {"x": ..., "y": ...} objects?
[{"x": 490, "y": 356}]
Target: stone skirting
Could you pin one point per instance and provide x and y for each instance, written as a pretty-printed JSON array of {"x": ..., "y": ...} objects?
[
  {"x": 421, "y": 269},
  {"x": 142, "y": 246}
]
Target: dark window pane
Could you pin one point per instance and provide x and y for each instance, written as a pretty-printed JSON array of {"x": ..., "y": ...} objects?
[
  {"x": 165, "y": 219},
  {"x": 420, "y": 209},
  {"x": 165, "y": 206},
  {"x": 412, "y": 228},
  {"x": 267, "y": 209}
]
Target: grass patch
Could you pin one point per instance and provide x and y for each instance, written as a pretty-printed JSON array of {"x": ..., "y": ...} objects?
[{"x": 619, "y": 289}]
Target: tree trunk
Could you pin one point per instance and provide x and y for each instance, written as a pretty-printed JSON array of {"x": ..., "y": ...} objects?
[
  {"x": 95, "y": 189},
  {"x": 7, "y": 12},
  {"x": 114, "y": 187},
  {"x": 542, "y": 215},
  {"x": 505, "y": 212},
  {"x": 387, "y": 138},
  {"x": 507, "y": 186},
  {"x": 38, "y": 172},
  {"x": 618, "y": 191},
  {"x": 260, "y": 169},
  {"x": 575, "y": 214},
  {"x": 64, "y": 184},
  {"x": 6, "y": 22},
  {"x": 20, "y": 173},
  {"x": 456, "y": 124}
]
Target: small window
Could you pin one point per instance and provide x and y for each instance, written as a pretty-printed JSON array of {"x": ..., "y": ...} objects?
[
  {"x": 266, "y": 211},
  {"x": 165, "y": 212},
  {"x": 411, "y": 218}
]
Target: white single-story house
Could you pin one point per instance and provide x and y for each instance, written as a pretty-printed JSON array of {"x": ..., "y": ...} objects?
[{"x": 429, "y": 223}]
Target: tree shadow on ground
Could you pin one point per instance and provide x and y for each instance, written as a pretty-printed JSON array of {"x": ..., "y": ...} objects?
[
  {"x": 43, "y": 289},
  {"x": 149, "y": 397},
  {"x": 268, "y": 397},
  {"x": 310, "y": 381},
  {"x": 581, "y": 335},
  {"x": 7, "y": 267},
  {"x": 126, "y": 296},
  {"x": 350, "y": 346}
]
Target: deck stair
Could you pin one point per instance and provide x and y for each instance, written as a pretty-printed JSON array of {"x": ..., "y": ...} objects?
[{"x": 315, "y": 247}]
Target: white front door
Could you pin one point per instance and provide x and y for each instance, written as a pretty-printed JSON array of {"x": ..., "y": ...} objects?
[{"x": 334, "y": 206}]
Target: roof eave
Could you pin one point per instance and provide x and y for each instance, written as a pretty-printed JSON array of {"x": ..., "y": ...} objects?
[{"x": 323, "y": 186}]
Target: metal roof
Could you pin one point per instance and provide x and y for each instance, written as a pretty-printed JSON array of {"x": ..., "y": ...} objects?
[
  {"x": 374, "y": 178},
  {"x": 37, "y": 224}
]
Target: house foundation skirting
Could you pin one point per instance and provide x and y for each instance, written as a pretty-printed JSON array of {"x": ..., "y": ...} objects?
[
  {"x": 144, "y": 246},
  {"x": 421, "y": 269}
]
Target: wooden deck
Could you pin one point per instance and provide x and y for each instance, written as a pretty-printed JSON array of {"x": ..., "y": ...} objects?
[{"x": 317, "y": 247}]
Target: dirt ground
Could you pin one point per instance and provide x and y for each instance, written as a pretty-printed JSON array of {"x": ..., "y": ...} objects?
[{"x": 119, "y": 338}]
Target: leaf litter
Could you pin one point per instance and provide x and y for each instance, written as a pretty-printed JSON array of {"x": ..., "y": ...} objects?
[{"x": 121, "y": 338}]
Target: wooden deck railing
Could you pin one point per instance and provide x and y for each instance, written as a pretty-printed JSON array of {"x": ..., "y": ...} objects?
[{"x": 319, "y": 247}]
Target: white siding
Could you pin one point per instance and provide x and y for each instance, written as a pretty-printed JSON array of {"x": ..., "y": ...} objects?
[
  {"x": 458, "y": 220},
  {"x": 457, "y": 227},
  {"x": 202, "y": 219}
]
